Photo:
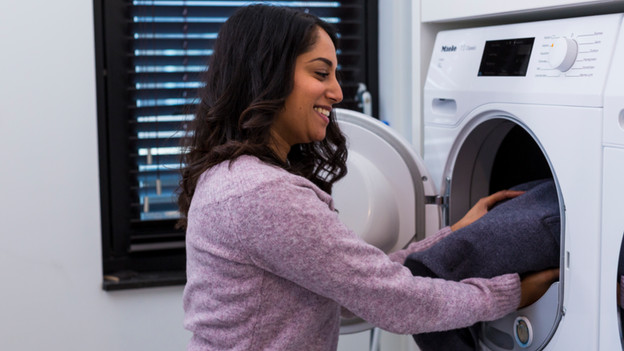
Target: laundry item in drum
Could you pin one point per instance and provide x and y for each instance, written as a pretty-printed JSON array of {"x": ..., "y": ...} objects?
[{"x": 519, "y": 235}]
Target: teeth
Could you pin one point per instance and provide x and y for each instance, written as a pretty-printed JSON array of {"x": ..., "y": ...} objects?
[{"x": 322, "y": 110}]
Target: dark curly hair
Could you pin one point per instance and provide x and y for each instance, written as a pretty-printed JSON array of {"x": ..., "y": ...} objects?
[{"x": 249, "y": 77}]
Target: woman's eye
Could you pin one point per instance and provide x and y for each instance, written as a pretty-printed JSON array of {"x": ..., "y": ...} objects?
[{"x": 322, "y": 74}]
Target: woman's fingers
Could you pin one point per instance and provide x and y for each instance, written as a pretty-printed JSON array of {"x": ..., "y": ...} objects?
[
  {"x": 535, "y": 285},
  {"x": 483, "y": 206},
  {"x": 498, "y": 196}
]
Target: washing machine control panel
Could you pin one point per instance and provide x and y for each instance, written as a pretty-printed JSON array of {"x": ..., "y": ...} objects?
[{"x": 561, "y": 61}]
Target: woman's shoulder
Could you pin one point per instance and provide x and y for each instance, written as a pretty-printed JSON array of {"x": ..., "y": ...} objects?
[
  {"x": 252, "y": 165},
  {"x": 250, "y": 171},
  {"x": 242, "y": 176}
]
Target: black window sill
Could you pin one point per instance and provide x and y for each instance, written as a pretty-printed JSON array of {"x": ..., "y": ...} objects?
[{"x": 137, "y": 280}]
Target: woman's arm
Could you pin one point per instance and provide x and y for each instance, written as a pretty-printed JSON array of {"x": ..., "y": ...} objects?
[
  {"x": 296, "y": 235},
  {"x": 399, "y": 256}
]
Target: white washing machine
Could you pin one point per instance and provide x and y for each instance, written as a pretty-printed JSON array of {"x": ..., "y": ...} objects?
[
  {"x": 613, "y": 201},
  {"x": 504, "y": 105}
]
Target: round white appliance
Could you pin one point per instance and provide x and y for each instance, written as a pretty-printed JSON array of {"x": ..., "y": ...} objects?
[
  {"x": 500, "y": 86},
  {"x": 545, "y": 79}
]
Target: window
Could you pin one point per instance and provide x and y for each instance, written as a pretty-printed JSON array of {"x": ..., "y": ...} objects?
[{"x": 149, "y": 56}]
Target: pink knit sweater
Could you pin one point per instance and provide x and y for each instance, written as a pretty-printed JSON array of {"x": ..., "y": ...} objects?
[{"x": 269, "y": 264}]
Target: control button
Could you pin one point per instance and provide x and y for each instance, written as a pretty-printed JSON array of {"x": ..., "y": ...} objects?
[
  {"x": 523, "y": 332},
  {"x": 562, "y": 53}
]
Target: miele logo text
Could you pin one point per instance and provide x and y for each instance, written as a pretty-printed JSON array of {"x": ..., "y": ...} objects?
[{"x": 449, "y": 48}]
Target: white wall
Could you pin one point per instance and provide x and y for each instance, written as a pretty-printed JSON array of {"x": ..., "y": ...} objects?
[
  {"x": 50, "y": 251},
  {"x": 395, "y": 64}
]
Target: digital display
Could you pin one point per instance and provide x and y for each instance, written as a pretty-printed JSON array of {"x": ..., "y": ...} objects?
[{"x": 506, "y": 58}]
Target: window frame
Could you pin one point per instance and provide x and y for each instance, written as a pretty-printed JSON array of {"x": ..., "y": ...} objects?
[{"x": 124, "y": 268}]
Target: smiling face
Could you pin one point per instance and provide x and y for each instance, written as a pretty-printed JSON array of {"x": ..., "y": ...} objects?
[{"x": 305, "y": 115}]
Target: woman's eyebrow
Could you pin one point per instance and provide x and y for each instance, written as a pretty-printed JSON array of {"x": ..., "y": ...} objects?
[{"x": 328, "y": 62}]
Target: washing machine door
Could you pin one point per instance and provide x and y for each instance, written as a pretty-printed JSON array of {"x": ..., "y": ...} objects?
[{"x": 387, "y": 196}]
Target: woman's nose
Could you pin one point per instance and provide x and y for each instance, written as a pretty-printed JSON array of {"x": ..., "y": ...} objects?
[{"x": 335, "y": 92}]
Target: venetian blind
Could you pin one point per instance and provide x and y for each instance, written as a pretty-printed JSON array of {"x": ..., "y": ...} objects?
[{"x": 153, "y": 75}]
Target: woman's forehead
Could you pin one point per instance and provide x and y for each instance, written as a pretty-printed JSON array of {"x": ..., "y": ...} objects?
[{"x": 323, "y": 48}]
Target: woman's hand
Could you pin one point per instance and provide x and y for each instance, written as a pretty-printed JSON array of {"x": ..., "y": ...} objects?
[
  {"x": 535, "y": 285},
  {"x": 483, "y": 206}
]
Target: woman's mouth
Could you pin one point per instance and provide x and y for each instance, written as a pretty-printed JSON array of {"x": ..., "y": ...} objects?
[{"x": 323, "y": 112}]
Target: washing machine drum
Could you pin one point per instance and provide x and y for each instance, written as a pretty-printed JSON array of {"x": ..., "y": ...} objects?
[
  {"x": 382, "y": 198},
  {"x": 495, "y": 152}
]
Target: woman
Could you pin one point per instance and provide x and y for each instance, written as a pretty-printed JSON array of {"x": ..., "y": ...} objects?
[{"x": 269, "y": 264}]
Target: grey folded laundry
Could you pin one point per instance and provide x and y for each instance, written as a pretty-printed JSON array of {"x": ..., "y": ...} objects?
[{"x": 520, "y": 235}]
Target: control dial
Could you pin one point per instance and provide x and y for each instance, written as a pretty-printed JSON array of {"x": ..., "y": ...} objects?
[{"x": 562, "y": 53}]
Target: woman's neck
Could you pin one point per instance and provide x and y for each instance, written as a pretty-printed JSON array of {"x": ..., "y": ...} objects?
[{"x": 280, "y": 147}]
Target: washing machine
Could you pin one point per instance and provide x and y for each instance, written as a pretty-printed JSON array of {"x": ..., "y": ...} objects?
[
  {"x": 505, "y": 105},
  {"x": 612, "y": 249}
]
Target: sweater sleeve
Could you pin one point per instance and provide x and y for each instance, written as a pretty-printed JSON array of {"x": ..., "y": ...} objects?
[
  {"x": 288, "y": 230},
  {"x": 400, "y": 255}
]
